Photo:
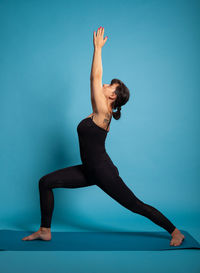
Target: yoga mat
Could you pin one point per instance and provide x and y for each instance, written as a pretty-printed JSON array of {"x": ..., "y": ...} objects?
[{"x": 11, "y": 240}]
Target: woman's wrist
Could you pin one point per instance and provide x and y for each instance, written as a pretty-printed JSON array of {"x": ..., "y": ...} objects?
[{"x": 97, "y": 48}]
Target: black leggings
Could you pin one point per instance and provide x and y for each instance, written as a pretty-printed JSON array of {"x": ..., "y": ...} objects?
[{"x": 111, "y": 183}]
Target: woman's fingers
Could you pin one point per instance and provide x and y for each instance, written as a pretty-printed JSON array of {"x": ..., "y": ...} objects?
[{"x": 100, "y": 31}]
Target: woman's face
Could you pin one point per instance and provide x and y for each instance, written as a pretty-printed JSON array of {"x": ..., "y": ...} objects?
[{"x": 109, "y": 90}]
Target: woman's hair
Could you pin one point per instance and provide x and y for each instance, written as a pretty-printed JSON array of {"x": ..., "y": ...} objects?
[{"x": 123, "y": 95}]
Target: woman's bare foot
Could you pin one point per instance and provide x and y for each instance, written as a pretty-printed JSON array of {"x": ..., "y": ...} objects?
[
  {"x": 42, "y": 234},
  {"x": 177, "y": 238}
]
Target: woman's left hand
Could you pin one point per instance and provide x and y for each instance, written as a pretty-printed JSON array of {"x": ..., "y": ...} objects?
[{"x": 98, "y": 40}]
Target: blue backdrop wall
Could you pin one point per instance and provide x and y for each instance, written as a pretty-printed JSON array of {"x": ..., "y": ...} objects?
[{"x": 45, "y": 60}]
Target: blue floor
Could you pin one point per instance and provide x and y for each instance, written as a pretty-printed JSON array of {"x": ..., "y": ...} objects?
[{"x": 101, "y": 262}]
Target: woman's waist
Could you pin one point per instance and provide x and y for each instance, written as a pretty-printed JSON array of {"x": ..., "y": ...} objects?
[{"x": 96, "y": 159}]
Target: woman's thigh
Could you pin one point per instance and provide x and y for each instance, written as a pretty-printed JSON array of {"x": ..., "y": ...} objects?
[
  {"x": 69, "y": 177},
  {"x": 109, "y": 180}
]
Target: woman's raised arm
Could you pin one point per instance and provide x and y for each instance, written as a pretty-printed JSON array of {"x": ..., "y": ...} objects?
[{"x": 98, "y": 42}]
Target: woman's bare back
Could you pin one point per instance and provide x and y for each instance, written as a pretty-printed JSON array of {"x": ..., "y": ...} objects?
[{"x": 102, "y": 120}]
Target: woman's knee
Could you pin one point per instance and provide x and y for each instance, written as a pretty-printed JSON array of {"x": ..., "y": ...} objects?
[{"x": 43, "y": 182}]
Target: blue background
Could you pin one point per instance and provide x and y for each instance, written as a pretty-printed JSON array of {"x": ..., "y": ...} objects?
[{"x": 46, "y": 53}]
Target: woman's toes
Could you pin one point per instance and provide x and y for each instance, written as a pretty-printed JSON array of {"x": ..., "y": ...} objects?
[
  {"x": 27, "y": 238},
  {"x": 175, "y": 242},
  {"x": 33, "y": 236}
]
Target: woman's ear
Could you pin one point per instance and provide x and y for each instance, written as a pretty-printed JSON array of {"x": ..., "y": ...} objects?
[{"x": 113, "y": 95}]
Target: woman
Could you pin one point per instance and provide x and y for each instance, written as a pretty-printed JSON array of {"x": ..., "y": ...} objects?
[{"x": 97, "y": 168}]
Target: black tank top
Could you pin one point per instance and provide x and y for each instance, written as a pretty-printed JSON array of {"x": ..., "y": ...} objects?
[{"x": 92, "y": 143}]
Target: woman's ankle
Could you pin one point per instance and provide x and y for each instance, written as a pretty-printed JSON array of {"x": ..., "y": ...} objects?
[
  {"x": 175, "y": 231},
  {"x": 45, "y": 229}
]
